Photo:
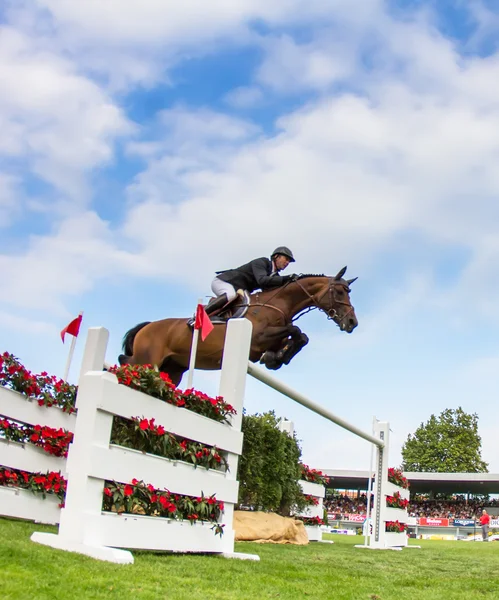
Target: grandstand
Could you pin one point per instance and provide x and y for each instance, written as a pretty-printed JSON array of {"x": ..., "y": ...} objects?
[{"x": 430, "y": 516}]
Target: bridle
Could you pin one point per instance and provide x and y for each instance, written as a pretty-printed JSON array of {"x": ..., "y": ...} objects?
[{"x": 331, "y": 312}]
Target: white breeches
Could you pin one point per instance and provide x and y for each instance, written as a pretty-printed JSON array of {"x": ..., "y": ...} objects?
[{"x": 220, "y": 287}]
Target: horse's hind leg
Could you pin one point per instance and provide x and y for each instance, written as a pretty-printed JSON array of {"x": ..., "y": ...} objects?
[{"x": 173, "y": 370}]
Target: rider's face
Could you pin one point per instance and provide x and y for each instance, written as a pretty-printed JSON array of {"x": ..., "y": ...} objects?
[{"x": 281, "y": 262}]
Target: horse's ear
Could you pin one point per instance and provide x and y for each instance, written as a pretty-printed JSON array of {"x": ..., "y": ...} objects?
[
  {"x": 350, "y": 281},
  {"x": 341, "y": 273}
]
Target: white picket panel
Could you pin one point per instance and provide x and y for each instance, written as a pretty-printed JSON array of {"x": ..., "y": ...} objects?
[
  {"x": 18, "y": 407},
  {"x": 27, "y": 457},
  {"x": 123, "y": 464},
  {"x": 19, "y": 503},
  {"x": 23, "y": 504},
  {"x": 84, "y": 527},
  {"x": 132, "y": 403},
  {"x": 318, "y": 491}
]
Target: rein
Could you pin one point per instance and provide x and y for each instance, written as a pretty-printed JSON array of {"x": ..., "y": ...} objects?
[{"x": 331, "y": 312}]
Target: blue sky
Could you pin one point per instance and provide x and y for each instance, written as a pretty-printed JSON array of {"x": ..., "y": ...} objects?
[{"x": 146, "y": 145}]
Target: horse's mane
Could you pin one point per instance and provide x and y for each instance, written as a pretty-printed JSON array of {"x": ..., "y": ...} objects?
[{"x": 303, "y": 275}]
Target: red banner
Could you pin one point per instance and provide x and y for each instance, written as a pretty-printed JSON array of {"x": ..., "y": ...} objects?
[
  {"x": 356, "y": 518},
  {"x": 433, "y": 522}
]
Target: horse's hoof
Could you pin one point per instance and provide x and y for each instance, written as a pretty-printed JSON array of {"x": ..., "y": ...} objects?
[{"x": 271, "y": 361}]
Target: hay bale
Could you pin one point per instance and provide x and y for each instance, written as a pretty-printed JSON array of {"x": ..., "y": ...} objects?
[{"x": 270, "y": 528}]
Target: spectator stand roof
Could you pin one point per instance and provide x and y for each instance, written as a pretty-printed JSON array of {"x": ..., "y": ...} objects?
[{"x": 422, "y": 483}]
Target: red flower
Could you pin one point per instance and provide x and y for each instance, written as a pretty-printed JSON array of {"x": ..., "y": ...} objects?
[
  {"x": 108, "y": 492},
  {"x": 128, "y": 490},
  {"x": 135, "y": 481},
  {"x": 144, "y": 424}
]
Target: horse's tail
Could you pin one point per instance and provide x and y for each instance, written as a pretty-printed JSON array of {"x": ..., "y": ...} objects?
[{"x": 129, "y": 337}]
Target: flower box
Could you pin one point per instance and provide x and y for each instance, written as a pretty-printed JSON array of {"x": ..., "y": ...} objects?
[
  {"x": 312, "y": 489},
  {"x": 391, "y": 489},
  {"x": 124, "y": 464},
  {"x": 314, "y": 533},
  {"x": 395, "y": 514},
  {"x": 123, "y": 401},
  {"x": 395, "y": 539},
  {"x": 19, "y": 407},
  {"x": 23, "y": 504},
  {"x": 312, "y": 511},
  {"x": 27, "y": 457}
]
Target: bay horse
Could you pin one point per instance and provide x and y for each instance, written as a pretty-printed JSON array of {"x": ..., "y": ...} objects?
[{"x": 275, "y": 338}]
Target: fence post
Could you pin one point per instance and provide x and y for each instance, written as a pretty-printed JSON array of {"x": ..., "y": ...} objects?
[
  {"x": 381, "y": 431},
  {"x": 94, "y": 353},
  {"x": 232, "y": 388}
]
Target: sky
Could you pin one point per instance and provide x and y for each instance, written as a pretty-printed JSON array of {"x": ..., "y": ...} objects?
[{"x": 146, "y": 145}]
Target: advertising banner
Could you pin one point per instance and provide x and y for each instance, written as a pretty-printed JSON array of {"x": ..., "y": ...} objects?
[
  {"x": 429, "y": 522},
  {"x": 464, "y": 522},
  {"x": 494, "y": 522},
  {"x": 356, "y": 518}
]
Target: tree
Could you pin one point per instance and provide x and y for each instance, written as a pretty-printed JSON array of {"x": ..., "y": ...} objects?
[
  {"x": 269, "y": 468},
  {"x": 448, "y": 443}
]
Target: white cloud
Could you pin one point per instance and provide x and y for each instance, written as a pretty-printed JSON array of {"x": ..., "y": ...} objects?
[
  {"x": 290, "y": 67},
  {"x": 57, "y": 120},
  {"x": 10, "y": 321},
  {"x": 79, "y": 254},
  {"x": 245, "y": 97},
  {"x": 9, "y": 200}
]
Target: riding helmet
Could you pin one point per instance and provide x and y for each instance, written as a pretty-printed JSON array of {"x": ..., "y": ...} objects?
[{"x": 284, "y": 251}]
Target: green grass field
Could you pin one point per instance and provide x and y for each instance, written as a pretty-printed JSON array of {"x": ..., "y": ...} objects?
[{"x": 443, "y": 570}]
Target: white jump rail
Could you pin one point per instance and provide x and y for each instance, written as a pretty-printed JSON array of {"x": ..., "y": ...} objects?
[
  {"x": 84, "y": 527},
  {"x": 380, "y": 539}
]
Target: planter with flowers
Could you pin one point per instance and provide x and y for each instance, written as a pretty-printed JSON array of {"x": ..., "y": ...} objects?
[
  {"x": 396, "y": 499},
  {"x": 313, "y": 484},
  {"x": 152, "y": 467},
  {"x": 34, "y": 438}
]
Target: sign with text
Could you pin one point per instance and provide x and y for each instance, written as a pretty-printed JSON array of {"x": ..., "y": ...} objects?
[
  {"x": 356, "y": 518},
  {"x": 464, "y": 522},
  {"x": 430, "y": 522}
]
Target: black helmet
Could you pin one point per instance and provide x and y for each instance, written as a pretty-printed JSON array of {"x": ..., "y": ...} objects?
[{"x": 284, "y": 251}]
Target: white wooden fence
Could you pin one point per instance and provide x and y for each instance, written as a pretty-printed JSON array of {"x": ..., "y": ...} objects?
[
  {"x": 19, "y": 503},
  {"x": 317, "y": 491},
  {"x": 84, "y": 527}
]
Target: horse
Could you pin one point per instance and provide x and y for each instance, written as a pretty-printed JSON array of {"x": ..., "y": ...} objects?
[{"x": 275, "y": 339}]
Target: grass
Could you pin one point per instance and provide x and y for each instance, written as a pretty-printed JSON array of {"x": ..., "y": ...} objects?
[{"x": 440, "y": 570}]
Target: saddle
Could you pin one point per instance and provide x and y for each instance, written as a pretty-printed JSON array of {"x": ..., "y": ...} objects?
[{"x": 234, "y": 309}]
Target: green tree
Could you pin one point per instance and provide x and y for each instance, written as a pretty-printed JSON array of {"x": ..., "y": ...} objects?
[
  {"x": 448, "y": 443},
  {"x": 269, "y": 468}
]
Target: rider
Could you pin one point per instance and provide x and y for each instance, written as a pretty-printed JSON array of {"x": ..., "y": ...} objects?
[{"x": 260, "y": 273}]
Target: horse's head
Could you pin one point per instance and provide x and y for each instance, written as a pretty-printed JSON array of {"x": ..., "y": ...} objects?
[{"x": 334, "y": 300}]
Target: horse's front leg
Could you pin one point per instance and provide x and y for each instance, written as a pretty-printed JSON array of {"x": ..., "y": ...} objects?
[
  {"x": 292, "y": 346},
  {"x": 283, "y": 343}
]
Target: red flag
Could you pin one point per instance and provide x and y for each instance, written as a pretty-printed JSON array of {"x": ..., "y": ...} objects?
[
  {"x": 73, "y": 328},
  {"x": 203, "y": 322}
]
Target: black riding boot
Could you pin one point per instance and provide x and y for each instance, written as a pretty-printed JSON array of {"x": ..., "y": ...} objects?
[{"x": 216, "y": 303}]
